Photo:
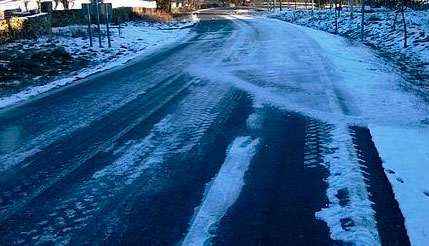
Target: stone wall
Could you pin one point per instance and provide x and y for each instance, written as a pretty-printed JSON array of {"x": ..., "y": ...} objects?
[
  {"x": 62, "y": 18},
  {"x": 39, "y": 24},
  {"x": 24, "y": 27}
]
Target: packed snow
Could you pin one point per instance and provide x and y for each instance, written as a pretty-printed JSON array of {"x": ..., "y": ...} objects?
[
  {"x": 222, "y": 192},
  {"x": 345, "y": 174},
  {"x": 329, "y": 78},
  {"x": 379, "y": 33}
]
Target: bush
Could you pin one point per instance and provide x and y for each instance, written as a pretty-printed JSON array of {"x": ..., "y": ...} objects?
[
  {"x": 374, "y": 18},
  {"x": 61, "y": 53}
]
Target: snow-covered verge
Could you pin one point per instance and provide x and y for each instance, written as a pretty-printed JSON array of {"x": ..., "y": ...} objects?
[
  {"x": 379, "y": 33},
  {"x": 405, "y": 154},
  {"x": 133, "y": 39}
]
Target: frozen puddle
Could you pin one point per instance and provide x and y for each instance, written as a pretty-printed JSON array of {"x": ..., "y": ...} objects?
[
  {"x": 223, "y": 191},
  {"x": 405, "y": 155}
]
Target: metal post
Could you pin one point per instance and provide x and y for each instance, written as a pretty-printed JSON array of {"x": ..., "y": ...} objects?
[
  {"x": 363, "y": 21},
  {"x": 89, "y": 25},
  {"x": 98, "y": 23},
  {"x": 107, "y": 25},
  {"x": 119, "y": 25},
  {"x": 312, "y": 7}
]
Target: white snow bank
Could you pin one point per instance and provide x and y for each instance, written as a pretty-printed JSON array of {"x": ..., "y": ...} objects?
[
  {"x": 381, "y": 33},
  {"x": 136, "y": 39},
  {"x": 378, "y": 29},
  {"x": 223, "y": 191},
  {"x": 405, "y": 155}
]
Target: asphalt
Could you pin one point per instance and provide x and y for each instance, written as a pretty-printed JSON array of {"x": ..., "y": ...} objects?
[{"x": 126, "y": 157}]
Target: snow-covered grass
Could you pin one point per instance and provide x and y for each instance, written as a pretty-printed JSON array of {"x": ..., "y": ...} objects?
[
  {"x": 379, "y": 33},
  {"x": 136, "y": 39}
]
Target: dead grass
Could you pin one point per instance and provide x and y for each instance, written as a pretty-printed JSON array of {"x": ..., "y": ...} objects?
[{"x": 155, "y": 15}]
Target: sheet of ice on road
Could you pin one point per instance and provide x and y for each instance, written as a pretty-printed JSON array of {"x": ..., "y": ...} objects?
[{"x": 329, "y": 78}]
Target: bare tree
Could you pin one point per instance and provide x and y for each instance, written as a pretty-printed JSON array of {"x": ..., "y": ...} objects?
[
  {"x": 66, "y": 3},
  {"x": 26, "y": 5},
  {"x": 164, "y": 5},
  {"x": 402, "y": 10},
  {"x": 398, "y": 7},
  {"x": 57, "y": 2},
  {"x": 38, "y": 2},
  {"x": 362, "y": 30}
]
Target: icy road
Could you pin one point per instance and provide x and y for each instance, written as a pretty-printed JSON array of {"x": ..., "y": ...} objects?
[{"x": 252, "y": 131}]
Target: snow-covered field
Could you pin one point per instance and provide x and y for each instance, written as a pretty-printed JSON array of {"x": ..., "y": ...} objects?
[
  {"x": 378, "y": 33},
  {"x": 136, "y": 39}
]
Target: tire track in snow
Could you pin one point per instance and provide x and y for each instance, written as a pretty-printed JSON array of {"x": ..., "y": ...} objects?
[
  {"x": 175, "y": 134},
  {"x": 222, "y": 192},
  {"x": 353, "y": 222},
  {"x": 46, "y": 179},
  {"x": 281, "y": 193},
  {"x": 164, "y": 199},
  {"x": 349, "y": 214},
  {"x": 390, "y": 221},
  {"x": 362, "y": 229}
]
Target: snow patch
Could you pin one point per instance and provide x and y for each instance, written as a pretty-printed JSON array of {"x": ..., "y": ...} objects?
[
  {"x": 352, "y": 222},
  {"x": 223, "y": 191},
  {"x": 405, "y": 155}
]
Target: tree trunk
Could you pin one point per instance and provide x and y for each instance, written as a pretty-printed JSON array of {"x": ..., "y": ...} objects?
[
  {"x": 65, "y": 4},
  {"x": 394, "y": 21},
  {"x": 164, "y": 5},
  {"x": 363, "y": 21},
  {"x": 336, "y": 18},
  {"x": 312, "y": 7},
  {"x": 405, "y": 28}
]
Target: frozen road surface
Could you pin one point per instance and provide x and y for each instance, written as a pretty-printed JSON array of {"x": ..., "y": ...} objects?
[{"x": 252, "y": 131}]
